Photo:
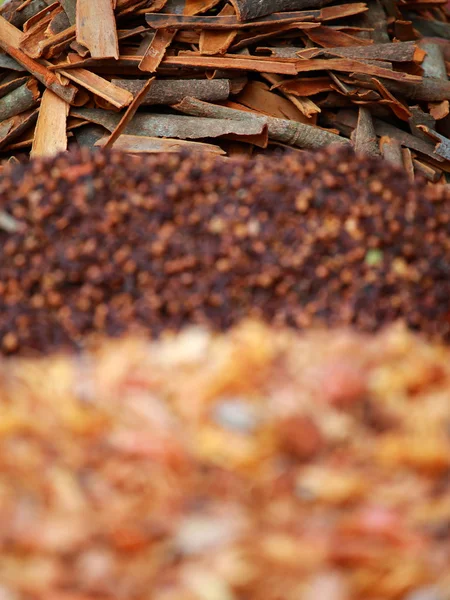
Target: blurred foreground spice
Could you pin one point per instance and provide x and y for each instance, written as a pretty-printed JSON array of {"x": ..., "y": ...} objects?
[
  {"x": 104, "y": 243},
  {"x": 248, "y": 465}
]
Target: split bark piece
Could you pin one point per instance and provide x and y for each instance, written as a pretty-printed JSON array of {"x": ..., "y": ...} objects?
[
  {"x": 408, "y": 163},
  {"x": 163, "y": 38},
  {"x": 439, "y": 110},
  {"x": 171, "y": 91},
  {"x": 364, "y": 137},
  {"x": 391, "y": 150},
  {"x": 346, "y": 121},
  {"x": 116, "y": 96},
  {"x": 375, "y": 18},
  {"x": 305, "y": 87},
  {"x": 70, "y": 8},
  {"x": 281, "y": 130},
  {"x": 51, "y": 136},
  {"x": 353, "y": 66},
  {"x": 398, "y": 52},
  {"x": 15, "y": 126},
  {"x": 431, "y": 173},
  {"x": 18, "y": 17},
  {"x": 139, "y": 144},
  {"x": 156, "y": 50},
  {"x": 36, "y": 33},
  {"x": 257, "y": 96},
  {"x": 195, "y": 7},
  {"x": 426, "y": 90},
  {"x": 21, "y": 99},
  {"x": 419, "y": 117},
  {"x": 218, "y": 42},
  {"x": 307, "y": 107},
  {"x": 399, "y": 109},
  {"x": 59, "y": 23},
  {"x": 6, "y": 62},
  {"x": 248, "y": 10},
  {"x": 10, "y": 39},
  {"x": 442, "y": 144},
  {"x": 53, "y": 45},
  {"x": 328, "y": 37},
  {"x": 171, "y": 126},
  {"x": 96, "y": 28},
  {"x": 232, "y": 62},
  {"x": 160, "y": 21},
  {"x": 129, "y": 114},
  {"x": 11, "y": 83},
  {"x": 243, "y": 40},
  {"x": 89, "y": 135},
  {"x": 433, "y": 64},
  {"x": 331, "y": 13}
]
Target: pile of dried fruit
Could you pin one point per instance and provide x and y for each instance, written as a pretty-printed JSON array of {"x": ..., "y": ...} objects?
[
  {"x": 100, "y": 243},
  {"x": 253, "y": 465},
  {"x": 228, "y": 77}
]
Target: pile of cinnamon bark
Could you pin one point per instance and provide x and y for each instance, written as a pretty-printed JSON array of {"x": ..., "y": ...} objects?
[{"x": 236, "y": 77}]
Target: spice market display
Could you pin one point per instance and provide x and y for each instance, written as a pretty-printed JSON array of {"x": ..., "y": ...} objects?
[{"x": 228, "y": 77}]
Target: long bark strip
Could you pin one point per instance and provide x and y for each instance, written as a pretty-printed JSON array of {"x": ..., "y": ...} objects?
[
  {"x": 50, "y": 136},
  {"x": 96, "y": 28},
  {"x": 224, "y": 22},
  {"x": 10, "y": 39},
  {"x": 141, "y": 144},
  {"x": 172, "y": 91},
  {"x": 353, "y": 66},
  {"x": 395, "y": 52},
  {"x": 252, "y": 9},
  {"x": 171, "y": 126},
  {"x": 232, "y": 62},
  {"x": 99, "y": 86},
  {"x": 281, "y": 130}
]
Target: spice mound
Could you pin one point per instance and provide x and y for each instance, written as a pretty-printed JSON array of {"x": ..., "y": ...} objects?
[
  {"x": 106, "y": 243},
  {"x": 252, "y": 464}
]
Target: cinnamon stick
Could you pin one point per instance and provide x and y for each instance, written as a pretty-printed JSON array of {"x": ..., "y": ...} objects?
[
  {"x": 281, "y": 130},
  {"x": 171, "y": 91},
  {"x": 248, "y": 10},
  {"x": 50, "y": 136},
  {"x": 96, "y": 28},
  {"x": 140, "y": 144},
  {"x": 19, "y": 100}
]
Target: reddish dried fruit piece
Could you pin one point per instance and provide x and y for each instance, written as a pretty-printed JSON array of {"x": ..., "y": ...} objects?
[
  {"x": 300, "y": 437},
  {"x": 342, "y": 384}
]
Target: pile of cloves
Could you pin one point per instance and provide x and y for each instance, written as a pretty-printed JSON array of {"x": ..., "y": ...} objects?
[{"x": 101, "y": 243}]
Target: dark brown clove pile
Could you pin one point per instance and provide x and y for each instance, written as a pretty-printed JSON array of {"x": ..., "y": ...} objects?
[{"x": 104, "y": 243}]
